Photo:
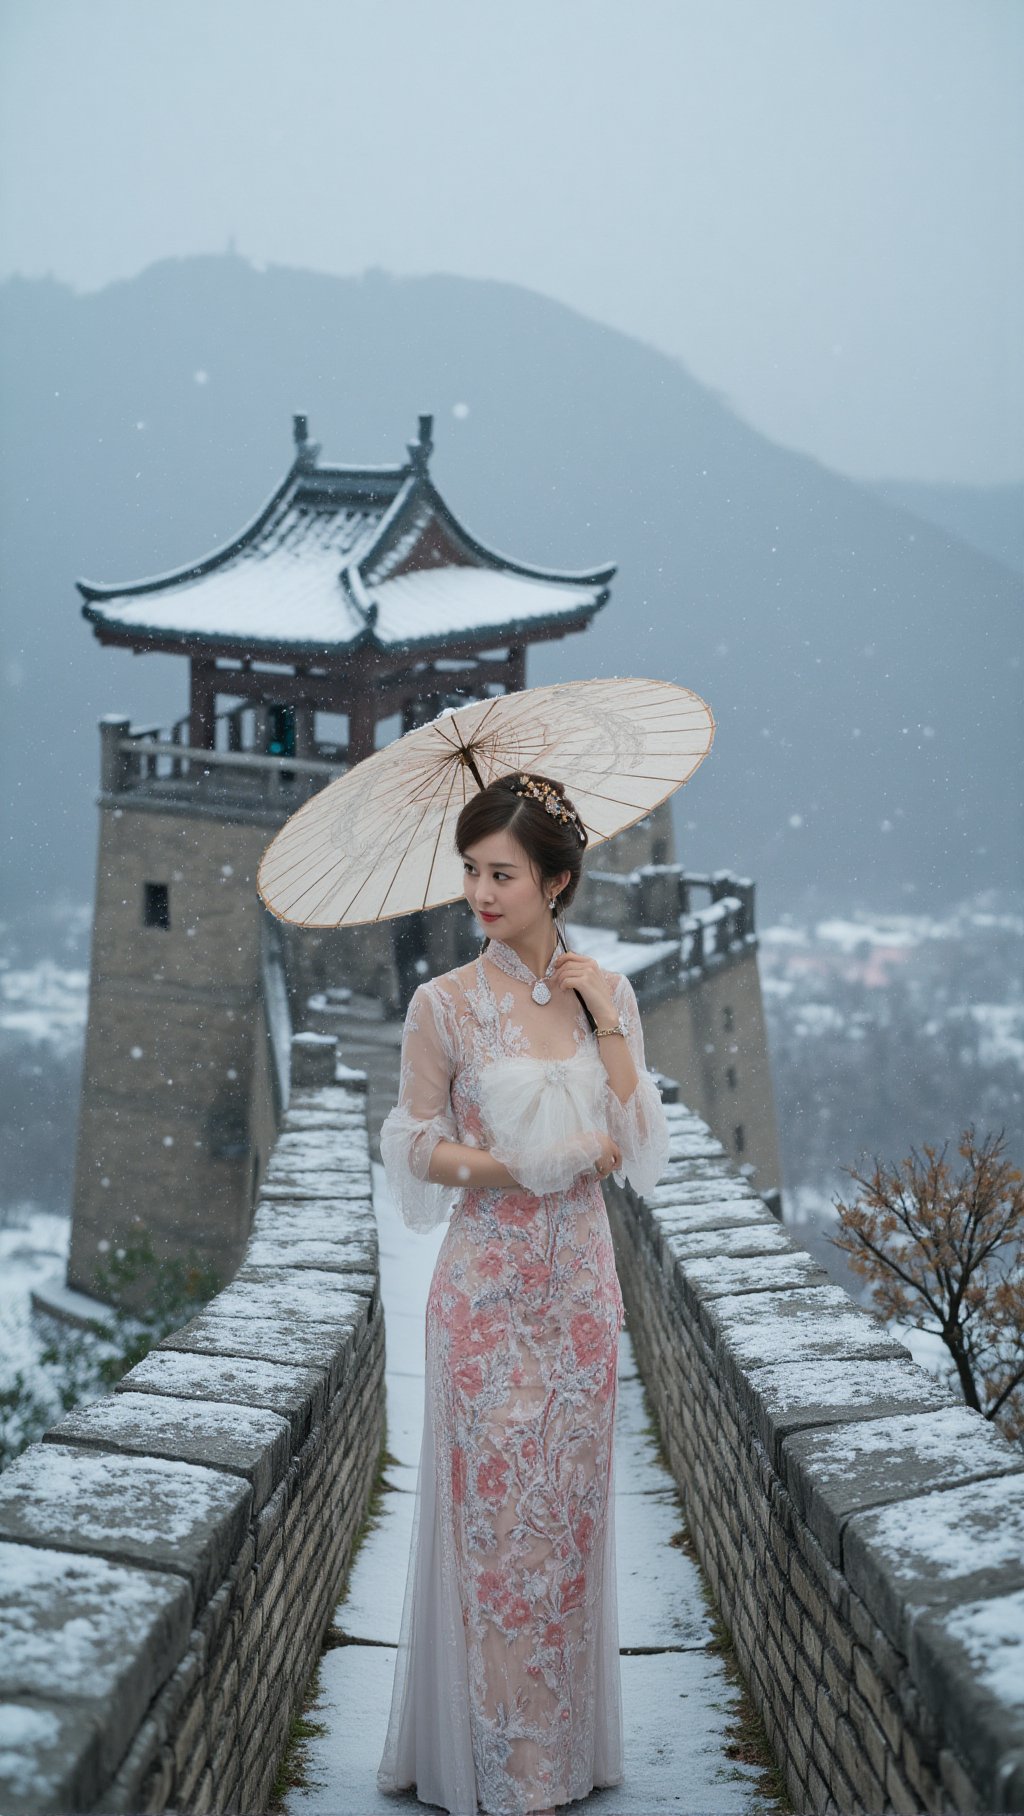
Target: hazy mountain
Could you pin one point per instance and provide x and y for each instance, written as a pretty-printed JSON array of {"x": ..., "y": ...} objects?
[
  {"x": 989, "y": 518},
  {"x": 863, "y": 665}
]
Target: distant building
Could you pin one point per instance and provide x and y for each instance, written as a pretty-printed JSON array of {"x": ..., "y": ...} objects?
[{"x": 355, "y": 597}]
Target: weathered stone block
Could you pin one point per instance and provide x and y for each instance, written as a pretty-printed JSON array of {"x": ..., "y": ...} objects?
[
  {"x": 56, "y": 1763},
  {"x": 936, "y": 1550},
  {"x": 131, "y": 1627},
  {"x": 833, "y": 1473},
  {"x": 313, "y": 1060},
  {"x": 177, "y": 1517},
  {"x": 265, "y": 1339},
  {"x": 241, "y": 1440},
  {"x": 968, "y": 1661},
  {"x": 296, "y": 1394}
]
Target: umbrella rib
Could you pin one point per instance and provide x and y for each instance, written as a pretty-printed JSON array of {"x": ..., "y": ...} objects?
[
  {"x": 411, "y": 840},
  {"x": 362, "y": 884},
  {"x": 437, "y": 841},
  {"x": 382, "y": 800},
  {"x": 403, "y": 857}
]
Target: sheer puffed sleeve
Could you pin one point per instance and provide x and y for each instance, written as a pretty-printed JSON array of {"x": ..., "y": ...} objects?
[
  {"x": 638, "y": 1125},
  {"x": 422, "y": 1116}
]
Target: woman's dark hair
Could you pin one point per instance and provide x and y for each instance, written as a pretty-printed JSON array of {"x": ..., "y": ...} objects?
[{"x": 551, "y": 844}]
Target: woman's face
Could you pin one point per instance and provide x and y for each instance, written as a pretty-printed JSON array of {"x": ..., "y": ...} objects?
[{"x": 502, "y": 889}]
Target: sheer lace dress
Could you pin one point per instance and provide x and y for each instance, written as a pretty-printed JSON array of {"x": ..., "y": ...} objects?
[{"x": 506, "y": 1694}]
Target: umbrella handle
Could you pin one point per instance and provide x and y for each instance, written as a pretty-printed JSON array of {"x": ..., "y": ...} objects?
[{"x": 561, "y": 936}]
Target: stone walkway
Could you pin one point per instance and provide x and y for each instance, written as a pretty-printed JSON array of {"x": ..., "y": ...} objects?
[{"x": 678, "y": 1704}]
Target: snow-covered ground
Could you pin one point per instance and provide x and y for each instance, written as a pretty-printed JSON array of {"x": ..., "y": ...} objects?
[
  {"x": 45, "y": 1005},
  {"x": 33, "y": 1249}
]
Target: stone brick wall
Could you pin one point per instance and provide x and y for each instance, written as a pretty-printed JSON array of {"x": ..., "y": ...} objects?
[
  {"x": 170, "y": 1556},
  {"x": 861, "y": 1529}
]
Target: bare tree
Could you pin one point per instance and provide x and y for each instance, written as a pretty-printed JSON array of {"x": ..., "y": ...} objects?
[{"x": 945, "y": 1254}]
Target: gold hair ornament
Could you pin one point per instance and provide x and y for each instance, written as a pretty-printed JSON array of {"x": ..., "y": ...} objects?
[{"x": 552, "y": 802}]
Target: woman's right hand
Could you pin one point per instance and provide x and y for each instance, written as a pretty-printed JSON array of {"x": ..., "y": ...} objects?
[{"x": 610, "y": 1157}]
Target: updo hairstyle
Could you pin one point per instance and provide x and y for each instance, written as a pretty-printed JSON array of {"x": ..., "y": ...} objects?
[{"x": 553, "y": 838}]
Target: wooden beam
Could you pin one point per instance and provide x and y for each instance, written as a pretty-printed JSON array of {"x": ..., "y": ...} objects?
[{"x": 197, "y": 650}]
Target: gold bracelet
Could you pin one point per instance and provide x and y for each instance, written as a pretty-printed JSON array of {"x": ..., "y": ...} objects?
[{"x": 618, "y": 1029}]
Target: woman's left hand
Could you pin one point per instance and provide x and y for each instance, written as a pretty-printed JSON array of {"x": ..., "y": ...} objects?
[{"x": 573, "y": 971}]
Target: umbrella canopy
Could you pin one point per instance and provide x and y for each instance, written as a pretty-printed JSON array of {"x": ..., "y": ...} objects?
[{"x": 379, "y": 842}]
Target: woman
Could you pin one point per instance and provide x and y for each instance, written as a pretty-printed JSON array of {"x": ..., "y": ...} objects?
[{"x": 523, "y": 1085}]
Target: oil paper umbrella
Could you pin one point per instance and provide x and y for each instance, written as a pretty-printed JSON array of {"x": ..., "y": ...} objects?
[{"x": 379, "y": 842}]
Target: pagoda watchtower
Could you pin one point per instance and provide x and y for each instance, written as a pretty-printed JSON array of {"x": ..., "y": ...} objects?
[
  {"x": 354, "y": 597},
  {"x": 355, "y": 591}
]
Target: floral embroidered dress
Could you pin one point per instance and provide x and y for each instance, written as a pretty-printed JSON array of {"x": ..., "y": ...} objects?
[{"x": 507, "y": 1693}]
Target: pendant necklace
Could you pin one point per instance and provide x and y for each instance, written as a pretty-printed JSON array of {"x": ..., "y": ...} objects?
[{"x": 511, "y": 963}]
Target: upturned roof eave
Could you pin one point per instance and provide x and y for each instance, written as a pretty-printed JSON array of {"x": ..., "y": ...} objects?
[
  {"x": 513, "y": 630},
  {"x": 300, "y": 472},
  {"x": 494, "y": 558},
  {"x": 181, "y": 642}
]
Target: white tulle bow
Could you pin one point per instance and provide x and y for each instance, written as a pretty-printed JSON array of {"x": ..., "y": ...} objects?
[{"x": 544, "y": 1116}]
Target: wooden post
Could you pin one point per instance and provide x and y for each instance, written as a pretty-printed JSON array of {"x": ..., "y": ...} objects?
[
  {"x": 202, "y": 703},
  {"x": 362, "y": 728}
]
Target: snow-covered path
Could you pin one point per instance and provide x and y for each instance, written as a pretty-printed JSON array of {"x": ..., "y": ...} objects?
[{"x": 678, "y": 1703}]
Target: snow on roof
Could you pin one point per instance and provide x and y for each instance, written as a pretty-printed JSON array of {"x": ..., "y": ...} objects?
[
  {"x": 284, "y": 595},
  {"x": 296, "y": 596},
  {"x": 442, "y": 602},
  {"x": 316, "y": 569}
]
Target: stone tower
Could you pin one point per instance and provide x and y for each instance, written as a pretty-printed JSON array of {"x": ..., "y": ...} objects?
[{"x": 352, "y": 597}]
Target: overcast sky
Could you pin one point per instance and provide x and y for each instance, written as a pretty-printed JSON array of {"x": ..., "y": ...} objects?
[{"x": 816, "y": 205}]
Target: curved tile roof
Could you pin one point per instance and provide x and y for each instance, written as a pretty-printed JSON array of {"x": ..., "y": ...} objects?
[{"x": 341, "y": 557}]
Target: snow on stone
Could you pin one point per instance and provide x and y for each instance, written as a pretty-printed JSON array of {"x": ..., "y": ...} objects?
[
  {"x": 952, "y": 1532},
  {"x": 766, "y": 1327},
  {"x": 844, "y": 1381},
  {"x": 99, "y": 1495},
  {"x": 25, "y": 1731},
  {"x": 625, "y": 956},
  {"x": 97, "y": 1604},
  {"x": 149, "y": 1417},
  {"x": 326, "y": 1298},
  {"x": 180, "y": 1372},
  {"x": 755, "y": 1240},
  {"x": 992, "y": 1635},
  {"x": 954, "y": 1437}
]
